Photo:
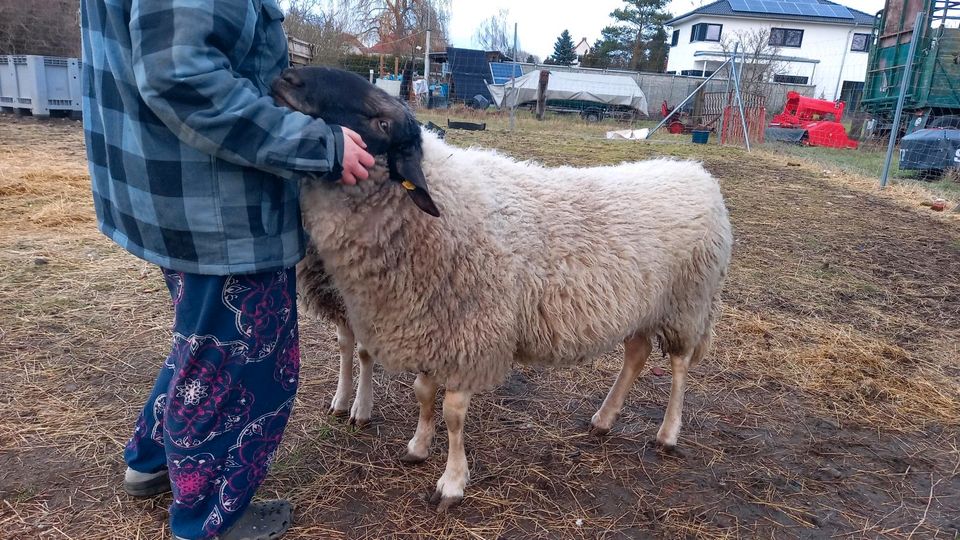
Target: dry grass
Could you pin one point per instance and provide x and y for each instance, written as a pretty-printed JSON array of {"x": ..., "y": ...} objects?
[{"x": 829, "y": 407}]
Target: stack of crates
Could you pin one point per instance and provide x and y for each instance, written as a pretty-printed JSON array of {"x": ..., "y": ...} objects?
[{"x": 40, "y": 85}]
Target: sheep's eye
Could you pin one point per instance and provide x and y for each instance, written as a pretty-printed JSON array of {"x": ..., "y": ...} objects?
[{"x": 384, "y": 125}]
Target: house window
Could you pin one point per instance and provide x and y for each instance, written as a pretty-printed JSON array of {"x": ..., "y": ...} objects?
[
  {"x": 790, "y": 79},
  {"x": 860, "y": 43},
  {"x": 705, "y": 32},
  {"x": 675, "y": 39},
  {"x": 785, "y": 37}
]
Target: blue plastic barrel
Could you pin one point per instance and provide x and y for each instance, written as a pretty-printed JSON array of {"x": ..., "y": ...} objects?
[{"x": 701, "y": 136}]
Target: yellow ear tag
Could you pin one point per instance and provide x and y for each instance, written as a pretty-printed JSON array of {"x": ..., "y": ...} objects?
[{"x": 408, "y": 185}]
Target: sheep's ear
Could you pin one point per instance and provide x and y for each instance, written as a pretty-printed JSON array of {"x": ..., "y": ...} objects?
[{"x": 409, "y": 172}]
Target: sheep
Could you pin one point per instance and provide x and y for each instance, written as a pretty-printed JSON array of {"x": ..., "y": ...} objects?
[
  {"x": 320, "y": 298},
  {"x": 500, "y": 261}
]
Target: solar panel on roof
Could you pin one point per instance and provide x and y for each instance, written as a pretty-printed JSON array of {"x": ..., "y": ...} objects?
[
  {"x": 826, "y": 11},
  {"x": 503, "y": 71},
  {"x": 840, "y": 11},
  {"x": 773, "y": 7},
  {"x": 811, "y": 8}
]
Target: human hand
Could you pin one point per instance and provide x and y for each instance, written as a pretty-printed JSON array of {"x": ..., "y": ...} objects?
[{"x": 356, "y": 160}]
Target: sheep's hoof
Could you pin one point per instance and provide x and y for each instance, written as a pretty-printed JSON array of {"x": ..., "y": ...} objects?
[
  {"x": 337, "y": 412},
  {"x": 669, "y": 450},
  {"x": 412, "y": 459},
  {"x": 444, "y": 503},
  {"x": 598, "y": 431},
  {"x": 360, "y": 423}
]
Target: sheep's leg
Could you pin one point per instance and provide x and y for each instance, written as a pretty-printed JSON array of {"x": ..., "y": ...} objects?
[
  {"x": 418, "y": 449},
  {"x": 636, "y": 351},
  {"x": 670, "y": 429},
  {"x": 363, "y": 403},
  {"x": 450, "y": 486},
  {"x": 341, "y": 400}
]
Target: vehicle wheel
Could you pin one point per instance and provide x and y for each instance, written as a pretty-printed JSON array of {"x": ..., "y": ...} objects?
[{"x": 591, "y": 116}]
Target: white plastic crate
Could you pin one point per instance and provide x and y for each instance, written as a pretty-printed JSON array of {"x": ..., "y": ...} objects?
[
  {"x": 40, "y": 84},
  {"x": 9, "y": 91}
]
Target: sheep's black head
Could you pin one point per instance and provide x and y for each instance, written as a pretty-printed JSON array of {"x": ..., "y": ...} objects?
[{"x": 385, "y": 123}]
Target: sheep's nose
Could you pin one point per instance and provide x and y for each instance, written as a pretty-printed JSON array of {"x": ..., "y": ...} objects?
[{"x": 291, "y": 77}]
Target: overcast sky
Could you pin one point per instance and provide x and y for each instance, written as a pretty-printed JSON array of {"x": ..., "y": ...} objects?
[{"x": 541, "y": 21}]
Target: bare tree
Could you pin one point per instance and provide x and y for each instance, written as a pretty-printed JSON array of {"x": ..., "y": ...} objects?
[
  {"x": 46, "y": 28},
  {"x": 401, "y": 24},
  {"x": 761, "y": 59},
  {"x": 492, "y": 35},
  {"x": 527, "y": 57},
  {"x": 325, "y": 24}
]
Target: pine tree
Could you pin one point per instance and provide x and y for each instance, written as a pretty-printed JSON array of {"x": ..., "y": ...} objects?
[
  {"x": 637, "y": 40},
  {"x": 563, "y": 53}
]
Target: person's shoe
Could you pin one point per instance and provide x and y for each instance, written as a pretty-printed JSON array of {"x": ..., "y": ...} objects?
[
  {"x": 263, "y": 520},
  {"x": 143, "y": 485}
]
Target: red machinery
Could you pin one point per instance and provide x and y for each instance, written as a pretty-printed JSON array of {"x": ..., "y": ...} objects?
[
  {"x": 814, "y": 122},
  {"x": 677, "y": 124},
  {"x": 683, "y": 121}
]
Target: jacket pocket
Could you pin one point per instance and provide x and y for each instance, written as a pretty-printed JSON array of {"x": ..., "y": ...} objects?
[{"x": 272, "y": 44}]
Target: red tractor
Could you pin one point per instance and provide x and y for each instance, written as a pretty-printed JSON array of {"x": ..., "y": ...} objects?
[{"x": 809, "y": 121}]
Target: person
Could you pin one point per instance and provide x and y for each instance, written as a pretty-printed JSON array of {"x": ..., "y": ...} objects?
[{"x": 195, "y": 169}]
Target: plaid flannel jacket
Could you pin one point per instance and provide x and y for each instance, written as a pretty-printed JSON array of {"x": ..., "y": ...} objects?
[{"x": 193, "y": 166}]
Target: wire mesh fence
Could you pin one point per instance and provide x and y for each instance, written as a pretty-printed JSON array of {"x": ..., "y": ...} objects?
[
  {"x": 491, "y": 82},
  {"x": 839, "y": 113},
  {"x": 844, "y": 113}
]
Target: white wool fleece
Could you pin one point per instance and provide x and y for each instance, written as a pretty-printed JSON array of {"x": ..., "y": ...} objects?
[{"x": 526, "y": 263}]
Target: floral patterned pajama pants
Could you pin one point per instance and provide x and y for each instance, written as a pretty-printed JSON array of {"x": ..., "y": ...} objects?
[{"x": 223, "y": 396}]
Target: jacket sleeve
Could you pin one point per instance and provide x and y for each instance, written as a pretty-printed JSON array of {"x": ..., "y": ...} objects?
[{"x": 182, "y": 53}]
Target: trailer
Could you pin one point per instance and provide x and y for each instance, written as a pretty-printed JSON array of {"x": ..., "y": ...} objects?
[
  {"x": 934, "y": 86},
  {"x": 593, "y": 96}
]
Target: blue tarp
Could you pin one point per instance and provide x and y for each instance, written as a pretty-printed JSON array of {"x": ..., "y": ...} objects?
[{"x": 470, "y": 72}]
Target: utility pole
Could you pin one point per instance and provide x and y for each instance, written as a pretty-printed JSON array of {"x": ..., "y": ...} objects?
[
  {"x": 426, "y": 59},
  {"x": 513, "y": 81}
]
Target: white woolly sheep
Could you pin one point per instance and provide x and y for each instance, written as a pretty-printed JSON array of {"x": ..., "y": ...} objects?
[
  {"x": 318, "y": 297},
  {"x": 549, "y": 266}
]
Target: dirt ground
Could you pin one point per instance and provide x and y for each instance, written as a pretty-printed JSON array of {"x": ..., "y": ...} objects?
[{"x": 829, "y": 407}]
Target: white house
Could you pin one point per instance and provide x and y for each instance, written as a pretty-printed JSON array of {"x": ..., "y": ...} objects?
[
  {"x": 581, "y": 49},
  {"x": 813, "y": 42}
]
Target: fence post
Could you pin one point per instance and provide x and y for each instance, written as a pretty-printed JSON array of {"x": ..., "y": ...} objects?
[
  {"x": 736, "y": 84},
  {"x": 542, "y": 93},
  {"x": 723, "y": 108},
  {"x": 907, "y": 73},
  {"x": 513, "y": 81}
]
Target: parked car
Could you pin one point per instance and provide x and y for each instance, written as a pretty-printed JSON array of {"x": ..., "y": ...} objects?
[{"x": 933, "y": 149}]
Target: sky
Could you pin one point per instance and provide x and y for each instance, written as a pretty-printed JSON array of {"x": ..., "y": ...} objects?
[{"x": 541, "y": 21}]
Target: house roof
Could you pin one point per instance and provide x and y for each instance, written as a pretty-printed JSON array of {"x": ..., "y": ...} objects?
[{"x": 723, "y": 8}]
